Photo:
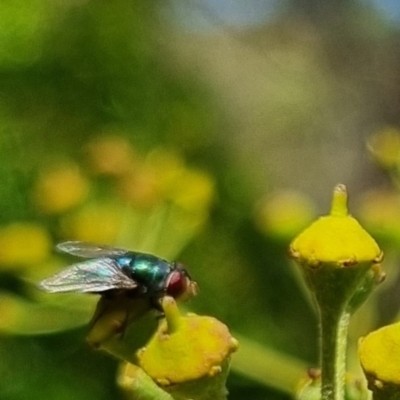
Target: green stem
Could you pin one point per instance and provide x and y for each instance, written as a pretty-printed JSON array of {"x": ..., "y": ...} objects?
[
  {"x": 137, "y": 385},
  {"x": 338, "y": 292},
  {"x": 334, "y": 329}
]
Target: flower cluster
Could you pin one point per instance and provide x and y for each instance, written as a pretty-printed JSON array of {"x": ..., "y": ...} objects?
[{"x": 151, "y": 202}]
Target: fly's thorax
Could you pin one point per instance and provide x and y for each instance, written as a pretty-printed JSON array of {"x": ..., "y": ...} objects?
[{"x": 149, "y": 271}]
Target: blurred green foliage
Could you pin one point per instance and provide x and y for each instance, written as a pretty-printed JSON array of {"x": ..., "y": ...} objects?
[{"x": 103, "y": 139}]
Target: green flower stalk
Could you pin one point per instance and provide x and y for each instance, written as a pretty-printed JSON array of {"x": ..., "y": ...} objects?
[
  {"x": 137, "y": 385},
  {"x": 341, "y": 265},
  {"x": 379, "y": 354},
  {"x": 188, "y": 357}
]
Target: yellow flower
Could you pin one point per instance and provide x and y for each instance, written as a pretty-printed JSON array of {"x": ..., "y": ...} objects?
[
  {"x": 23, "y": 244},
  {"x": 60, "y": 188},
  {"x": 337, "y": 238},
  {"x": 97, "y": 223},
  {"x": 187, "y": 348},
  {"x": 379, "y": 354}
]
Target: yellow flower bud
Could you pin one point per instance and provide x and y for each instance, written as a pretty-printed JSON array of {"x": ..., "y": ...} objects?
[
  {"x": 188, "y": 349},
  {"x": 336, "y": 238},
  {"x": 379, "y": 354}
]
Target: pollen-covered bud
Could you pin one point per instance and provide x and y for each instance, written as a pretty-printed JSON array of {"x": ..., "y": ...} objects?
[
  {"x": 340, "y": 260},
  {"x": 189, "y": 354},
  {"x": 379, "y": 354},
  {"x": 335, "y": 238}
]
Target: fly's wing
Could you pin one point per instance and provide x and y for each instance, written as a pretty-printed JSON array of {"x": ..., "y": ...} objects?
[
  {"x": 89, "y": 250},
  {"x": 93, "y": 276}
]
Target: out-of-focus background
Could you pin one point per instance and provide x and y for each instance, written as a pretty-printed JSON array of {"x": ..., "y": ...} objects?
[{"x": 209, "y": 131}]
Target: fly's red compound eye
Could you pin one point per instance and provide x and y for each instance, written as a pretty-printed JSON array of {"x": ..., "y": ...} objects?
[{"x": 176, "y": 284}]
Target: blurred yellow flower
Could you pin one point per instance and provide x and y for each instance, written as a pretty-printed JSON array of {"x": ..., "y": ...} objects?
[
  {"x": 60, "y": 188},
  {"x": 166, "y": 165},
  {"x": 193, "y": 190},
  {"x": 380, "y": 211},
  {"x": 23, "y": 244},
  {"x": 139, "y": 188},
  {"x": 284, "y": 213},
  {"x": 384, "y": 146},
  {"x": 145, "y": 184},
  {"x": 110, "y": 155},
  {"x": 98, "y": 223},
  {"x": 163, "y": 177}
]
